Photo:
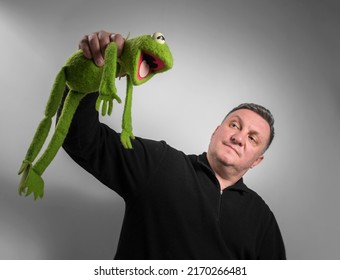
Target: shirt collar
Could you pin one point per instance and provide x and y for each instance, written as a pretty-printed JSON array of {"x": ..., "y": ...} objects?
[{"x": 238, "y": 186}]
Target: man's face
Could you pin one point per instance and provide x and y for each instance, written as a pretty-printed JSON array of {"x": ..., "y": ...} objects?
[{"x": 240, "y": 141}]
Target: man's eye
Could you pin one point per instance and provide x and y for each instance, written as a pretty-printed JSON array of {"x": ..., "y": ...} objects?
[
  {"x": 252, "y": 139},
  {"x": 234, "y": 125}
]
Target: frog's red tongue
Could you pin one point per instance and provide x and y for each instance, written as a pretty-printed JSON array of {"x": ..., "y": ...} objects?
[{"x": 144, "y": 69}]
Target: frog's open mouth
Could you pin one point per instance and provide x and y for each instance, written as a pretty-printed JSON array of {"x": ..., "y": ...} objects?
[{"x": 148, "y": 64}]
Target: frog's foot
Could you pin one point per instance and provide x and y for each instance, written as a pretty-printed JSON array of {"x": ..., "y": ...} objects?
[
  {"x": 31, "y": 182},
  {"x": 125, "y": 139},
  {"x": 106, "y": 102}
]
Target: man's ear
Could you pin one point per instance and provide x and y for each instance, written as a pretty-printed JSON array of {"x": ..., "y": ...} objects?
[{"x": 257, "y": 161}]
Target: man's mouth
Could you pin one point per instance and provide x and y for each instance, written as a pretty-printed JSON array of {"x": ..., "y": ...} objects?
[
  {"x": 231, "y": 147},
  {"x": 148, "y": 64}
]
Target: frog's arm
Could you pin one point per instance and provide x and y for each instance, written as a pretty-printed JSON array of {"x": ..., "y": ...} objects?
[
  {"x": 127, "y": 119},
  {"x": 107, "y": 88}
]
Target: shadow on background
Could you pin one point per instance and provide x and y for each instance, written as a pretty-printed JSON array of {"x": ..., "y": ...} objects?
[{"x": 63, "y": 225}]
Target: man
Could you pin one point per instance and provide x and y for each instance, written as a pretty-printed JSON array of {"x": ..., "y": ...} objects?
[{"x": 181, "y": 206}]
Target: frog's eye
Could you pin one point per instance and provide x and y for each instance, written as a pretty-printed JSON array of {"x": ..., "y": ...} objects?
[{"x": 158, "y": 37}]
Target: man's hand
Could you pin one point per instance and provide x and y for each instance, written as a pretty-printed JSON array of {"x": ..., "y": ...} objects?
[{"x": 94, "y": 45}]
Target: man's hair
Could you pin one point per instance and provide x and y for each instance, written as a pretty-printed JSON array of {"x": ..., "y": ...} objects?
[{"x": 263, "y": 112}]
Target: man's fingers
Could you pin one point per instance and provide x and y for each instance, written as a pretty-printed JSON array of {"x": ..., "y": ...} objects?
[
  {"x": 104, "y": 40},
  {"x": 119, "y": 40},
  {"x": 84, "y": 46},
  {"x": 94, "y": 45},
  {"x": 95, "y": 49}
]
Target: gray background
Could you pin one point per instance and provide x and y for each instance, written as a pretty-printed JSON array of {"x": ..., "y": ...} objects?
[{"x": 282, "y": 54}]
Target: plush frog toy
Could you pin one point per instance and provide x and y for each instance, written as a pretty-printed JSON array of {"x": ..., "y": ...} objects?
[{"x": 142, "y": 58}]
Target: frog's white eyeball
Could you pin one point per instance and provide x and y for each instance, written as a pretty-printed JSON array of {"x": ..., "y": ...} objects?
[{"x": 158, "y": 37}]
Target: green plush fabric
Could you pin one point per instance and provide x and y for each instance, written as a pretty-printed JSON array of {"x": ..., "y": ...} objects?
[{"x": 142, "y": 58}]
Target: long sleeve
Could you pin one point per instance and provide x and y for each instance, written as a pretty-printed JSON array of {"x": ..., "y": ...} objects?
[{"x": 97, "y": 148}]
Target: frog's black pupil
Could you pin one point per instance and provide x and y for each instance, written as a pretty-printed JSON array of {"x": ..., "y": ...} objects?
[{"x": 161, "y": 37}]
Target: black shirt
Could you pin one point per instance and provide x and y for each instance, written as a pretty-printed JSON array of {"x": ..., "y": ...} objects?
[{"x": 174, "y": 206}]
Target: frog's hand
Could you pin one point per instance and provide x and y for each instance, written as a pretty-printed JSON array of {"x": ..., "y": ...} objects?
[
  {"x": 106, "y": 103},
  {"x": 107, "y": 87}
]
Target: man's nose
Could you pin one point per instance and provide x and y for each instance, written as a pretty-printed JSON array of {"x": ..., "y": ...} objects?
[{"x": 238, "y": 139}]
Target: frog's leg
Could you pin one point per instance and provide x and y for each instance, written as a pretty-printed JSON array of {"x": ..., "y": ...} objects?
[
  {"x": 45, "y": 124},
  {"x": 33, "y": 183},
  {"x": 107, "y": 88},
  {"x": 127, "y": 118}
]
